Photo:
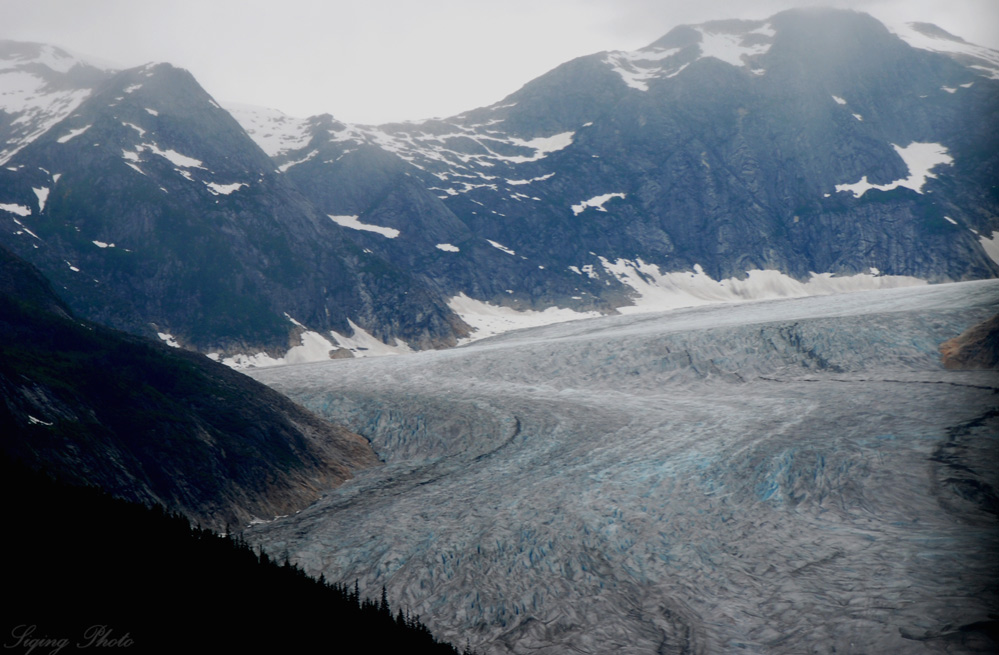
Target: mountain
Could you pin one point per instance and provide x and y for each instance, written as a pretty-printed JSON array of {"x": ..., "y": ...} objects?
[
  {"x": 815, "y": 142},
  {"x": 783, "y": 476},
  {"x": 152, "y": 211},
  {"x": 40, "y": 85},
  {"x": 812, "y": 152},
  {"x": 152, "y": 424}
]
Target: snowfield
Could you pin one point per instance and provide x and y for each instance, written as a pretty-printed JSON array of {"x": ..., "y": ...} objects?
[{"x": 783, "y": 476}]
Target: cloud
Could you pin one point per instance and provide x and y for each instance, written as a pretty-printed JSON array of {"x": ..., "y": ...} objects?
[{"x": 387, "y": 60}]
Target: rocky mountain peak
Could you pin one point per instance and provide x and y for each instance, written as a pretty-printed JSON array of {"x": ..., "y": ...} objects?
[{"x": 811, "y": 152}]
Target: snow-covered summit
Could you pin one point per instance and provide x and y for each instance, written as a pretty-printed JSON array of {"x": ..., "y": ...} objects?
[
  {"x": 734, "y": 42},
  {"x": 272, "y": 129},
  {"x": 40, "y": 85},
  {"x": 927, "y": 36}
]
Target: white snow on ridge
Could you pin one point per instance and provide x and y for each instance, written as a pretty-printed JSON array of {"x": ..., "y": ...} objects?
[
  {"x": 20, "y": 210},
  {"x": 274, "y": 131},
  {"x": 33, "y": 107},
  {"x": 533, "y": 179},
  {"x": 59, "y": 61},
  {"x": 288, "y": 164},
  {"x": 636, "y": 68},
  {"x": 225, "y": 189},
  {"x": 447, "y": 247},
  {"x": 920, "y": 158},
  {"x": 73, "y": 134},
  {"x": 24, "y": 229},
  {"x": 991, "y": 245},
  {"x": 354, "y": 224},
  {"x": 542, "y": 145},
  {"x": 167, "y": 338},
  {"x": 316, "y": 347},
  {"x": 43, "y": 195},
  {"x": 434, "y": 147},
  {"x": 839, "y": 101},
  {"x": 729, "y": 47},
  {"x": 657, "y": 291},
  {"x": 500, "y": 246},
  {"x": 173, "y": 156},
  {"x": 365, "y": 344},
  {"x": 597, "y": 202},
  {"x": 489, "y": 320},
  {"x": 132, "y": 159},
  {"x": 987, "y": 58},
  {"x": 135, "y": 127}
]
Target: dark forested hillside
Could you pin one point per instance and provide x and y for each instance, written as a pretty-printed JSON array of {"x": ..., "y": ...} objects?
[{"x": 115, "y": 576}]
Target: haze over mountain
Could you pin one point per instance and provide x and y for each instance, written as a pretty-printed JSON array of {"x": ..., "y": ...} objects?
[{"x": 812, "y": 152}]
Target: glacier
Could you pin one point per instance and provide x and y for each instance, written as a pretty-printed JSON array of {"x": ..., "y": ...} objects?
[{"x": 778, "y": 476}]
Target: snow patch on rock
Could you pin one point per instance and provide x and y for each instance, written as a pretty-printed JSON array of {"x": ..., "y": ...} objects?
[
  {"x": 658, "y": 291},
  {"x": 354, "y": 224},
  {"x": 274, "y": 131},
  {"x": 13, "y": 208},
  {"x": 500, "y": 246},
  {"x": 596, "y": 202},
  {"x": 72, "y": 134},
  {"x": 488, "y": 320},
  {"x": 731, "y": 47},
  {"x": 990, "y": 245},
  {"x": 166, "y": 337},
  {"x": 920, "y": 158},
  {"x": 224, "y": 189},
  {"x": 316, "y": 347}
]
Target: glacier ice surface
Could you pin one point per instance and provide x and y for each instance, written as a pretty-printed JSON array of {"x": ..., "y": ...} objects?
[{"x": 781, "y": 476}]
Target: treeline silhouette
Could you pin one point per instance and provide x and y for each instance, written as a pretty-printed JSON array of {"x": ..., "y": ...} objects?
[{"x": 100, "y": 572}]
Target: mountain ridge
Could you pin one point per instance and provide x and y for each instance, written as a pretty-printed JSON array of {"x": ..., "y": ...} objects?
[{"x": 811, "y": 145}]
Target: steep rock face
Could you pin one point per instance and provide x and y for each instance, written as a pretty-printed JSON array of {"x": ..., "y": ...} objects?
[
  {"x": 153, "y": 212},
  {"x": 813, "y": 142},
  {"x": 152, "y": 424}
]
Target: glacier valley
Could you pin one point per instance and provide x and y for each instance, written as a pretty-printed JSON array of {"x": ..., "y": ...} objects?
[{"x": 783, "y": 476}]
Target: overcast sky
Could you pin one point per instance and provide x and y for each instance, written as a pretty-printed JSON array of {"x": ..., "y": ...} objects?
[{"x": 375, "y": 61}]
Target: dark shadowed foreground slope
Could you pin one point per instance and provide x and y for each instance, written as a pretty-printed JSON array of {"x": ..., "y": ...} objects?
[
  {"x": 153, "y": 424},
  {"x": 92, "y": 572}
]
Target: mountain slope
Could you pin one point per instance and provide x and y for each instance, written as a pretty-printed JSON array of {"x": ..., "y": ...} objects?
[
  {"x": 812, "y": 152},
  {"x": 815, "y": 142},
  {"x": 148, "y": 423},
  {"x": 155, "y": 213}
]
